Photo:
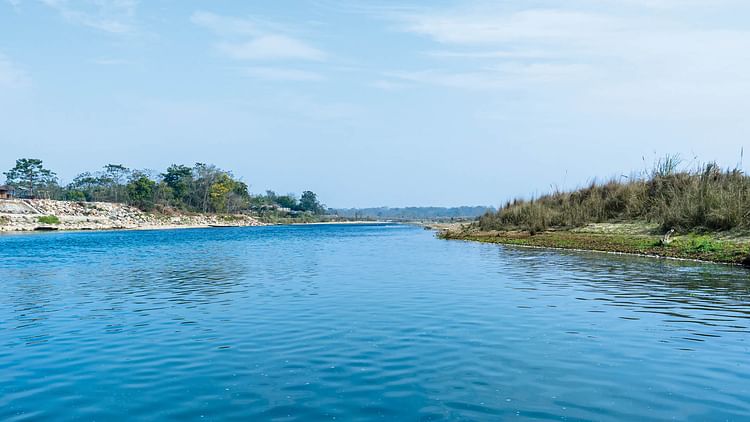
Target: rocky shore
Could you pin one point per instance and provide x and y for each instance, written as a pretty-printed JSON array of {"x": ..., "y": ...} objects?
[{"x": 42, "y": 214}]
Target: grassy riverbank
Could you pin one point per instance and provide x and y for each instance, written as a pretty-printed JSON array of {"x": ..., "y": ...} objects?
[
  {"x": 706, "y": 212},
  {"x": 691, "y": 246}
]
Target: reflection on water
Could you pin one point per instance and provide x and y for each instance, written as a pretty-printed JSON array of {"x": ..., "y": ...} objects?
[
  {"x": 362, "y": 322},
  {"x": 696, "y": 301}
]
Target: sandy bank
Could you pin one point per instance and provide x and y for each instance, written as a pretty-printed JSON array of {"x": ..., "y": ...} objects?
[{"x": 29, "y": 215}]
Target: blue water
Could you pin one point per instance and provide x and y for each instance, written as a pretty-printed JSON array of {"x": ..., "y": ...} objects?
[{"x": 361, "y": 323}]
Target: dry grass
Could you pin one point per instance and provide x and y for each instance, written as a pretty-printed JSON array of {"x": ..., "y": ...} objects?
[{"x": 701, "y": 200}]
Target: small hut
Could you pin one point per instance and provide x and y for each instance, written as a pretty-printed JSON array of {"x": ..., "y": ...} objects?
[{"x": 7, "y": 192}]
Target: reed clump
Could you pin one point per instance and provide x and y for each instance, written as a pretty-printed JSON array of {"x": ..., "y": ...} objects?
[{"x": 702, "y": 199}]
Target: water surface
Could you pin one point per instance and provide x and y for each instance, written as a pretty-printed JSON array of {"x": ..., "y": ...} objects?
[{"x": 361, "y": 323}]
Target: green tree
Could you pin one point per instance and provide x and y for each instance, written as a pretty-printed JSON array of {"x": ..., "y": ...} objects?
[
  {"x": 114, "y": 177},
  {"x": 287, "y": 201},
  {"x": 140, "y": 191},
  {"x": 220, "y": 190},
  {"x": 309, "y": 202},
  {"x": 228, "y": 194},
  {"x": 239, "y": 198},
  {"x": 204, "y": 177},
  {"x": 75, "y": 195},
  {"x": 163, "y": 194},
  {"x": 93, "y": 187},
  {"x": 30, "y": 176},
  {"x": 179, "y": 178}
]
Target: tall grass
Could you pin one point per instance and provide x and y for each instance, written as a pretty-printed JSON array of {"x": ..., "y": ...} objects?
[{"x": 706, "y": 198}]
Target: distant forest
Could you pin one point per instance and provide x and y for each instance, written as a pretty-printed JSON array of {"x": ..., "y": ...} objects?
[
  {"x": 198, "y": 188},
  {"x": 413, "y": 213}
]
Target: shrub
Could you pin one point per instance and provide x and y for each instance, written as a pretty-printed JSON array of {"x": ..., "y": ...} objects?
[
  {"x": 48, "y": 219},
  {"x": 75, "y": 195},
  {"x": 707, "y": 198}
]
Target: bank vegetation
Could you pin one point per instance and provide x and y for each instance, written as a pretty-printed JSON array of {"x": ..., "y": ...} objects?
[
  {"x": 699, "y": 212},
  {"x": 199, "y": 188}
]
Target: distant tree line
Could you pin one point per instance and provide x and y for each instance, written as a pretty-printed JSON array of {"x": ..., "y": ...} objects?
[
  {"x": 414, "y": 213},
  {"x": 198, "y": 188}
]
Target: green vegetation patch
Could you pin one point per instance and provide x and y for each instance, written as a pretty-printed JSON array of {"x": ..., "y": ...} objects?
[
  {"x": 201, "y": 188},
  {"x": 705, "y": 248},
  {"x": 272, "y": 217},
  {"x": 704, "y": 199},
  {"x": 48, "y": 219}
]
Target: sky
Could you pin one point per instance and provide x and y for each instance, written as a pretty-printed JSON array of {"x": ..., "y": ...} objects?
[{"x": 377, "y": 103}]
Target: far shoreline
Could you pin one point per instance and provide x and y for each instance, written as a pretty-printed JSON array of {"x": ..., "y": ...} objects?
[
  {"x": 181, "y": 227},
  {"x": 325, "y": 223}
]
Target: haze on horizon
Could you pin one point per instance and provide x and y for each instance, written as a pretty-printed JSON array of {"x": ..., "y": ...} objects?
[{"x": 373, "y": 103}]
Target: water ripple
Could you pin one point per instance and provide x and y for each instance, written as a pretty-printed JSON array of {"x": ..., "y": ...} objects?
[{"x": 361, "y": 323}]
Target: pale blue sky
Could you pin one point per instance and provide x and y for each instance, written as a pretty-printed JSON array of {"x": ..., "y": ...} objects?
[{"x": 376, "y": 103}]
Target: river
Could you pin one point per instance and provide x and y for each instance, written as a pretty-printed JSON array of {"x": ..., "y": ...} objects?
[{"x": 361, "y": 322}]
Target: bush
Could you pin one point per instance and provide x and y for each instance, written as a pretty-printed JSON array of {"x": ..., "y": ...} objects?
[
  {"x": 75, "y": 195},
  {"x": 48, "y": 219},
  {"x": 707, "y": 198},
  {"x": 140, "y": 192}
]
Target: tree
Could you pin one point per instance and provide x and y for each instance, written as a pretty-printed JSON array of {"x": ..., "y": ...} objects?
[
  {"x": 75, "y": 195},
  {"x": 92, "y": 187},
  {"x": 228, "y": 194},
  {"x": 179, "y": 178},
  {"x": 30, "y": 175},
  {"x": 287, "y": 201},
  {"x": 204, "y": 177},
  {"x": 204, "y": 188},
  {"x": 219, "y": 192},
  {"x": 140, "y": 191},
  {"x": 114, "y": 176},
  {"x": 163, "y": 194},
  {"x": 309, "y": 202},
  {"x": 239, "y": 198}
]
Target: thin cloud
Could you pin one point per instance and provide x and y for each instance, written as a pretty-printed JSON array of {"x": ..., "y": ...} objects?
[
  {"x": 225, "y": 24},
  {"x": 10, "y": 75},
  {"x": 103, "y": 61},
  {"x": 601, "y": 57},
  {"x": 315, "y": 109},
  {"x": 492, "y": 54},
  {"x": 282, "y": 74},
  {"x": 114, "y": 16},
  {"x": 506, "y": 76},
  {"x": 389, "y": 85},
  {"x": 271, "y": 47},
  {"x": 255, "y": 39}
]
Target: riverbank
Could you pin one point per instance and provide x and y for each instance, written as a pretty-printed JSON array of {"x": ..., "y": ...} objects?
[
  {"x": 728, "y": 248},
  {"x": 45, "y": 215}
]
